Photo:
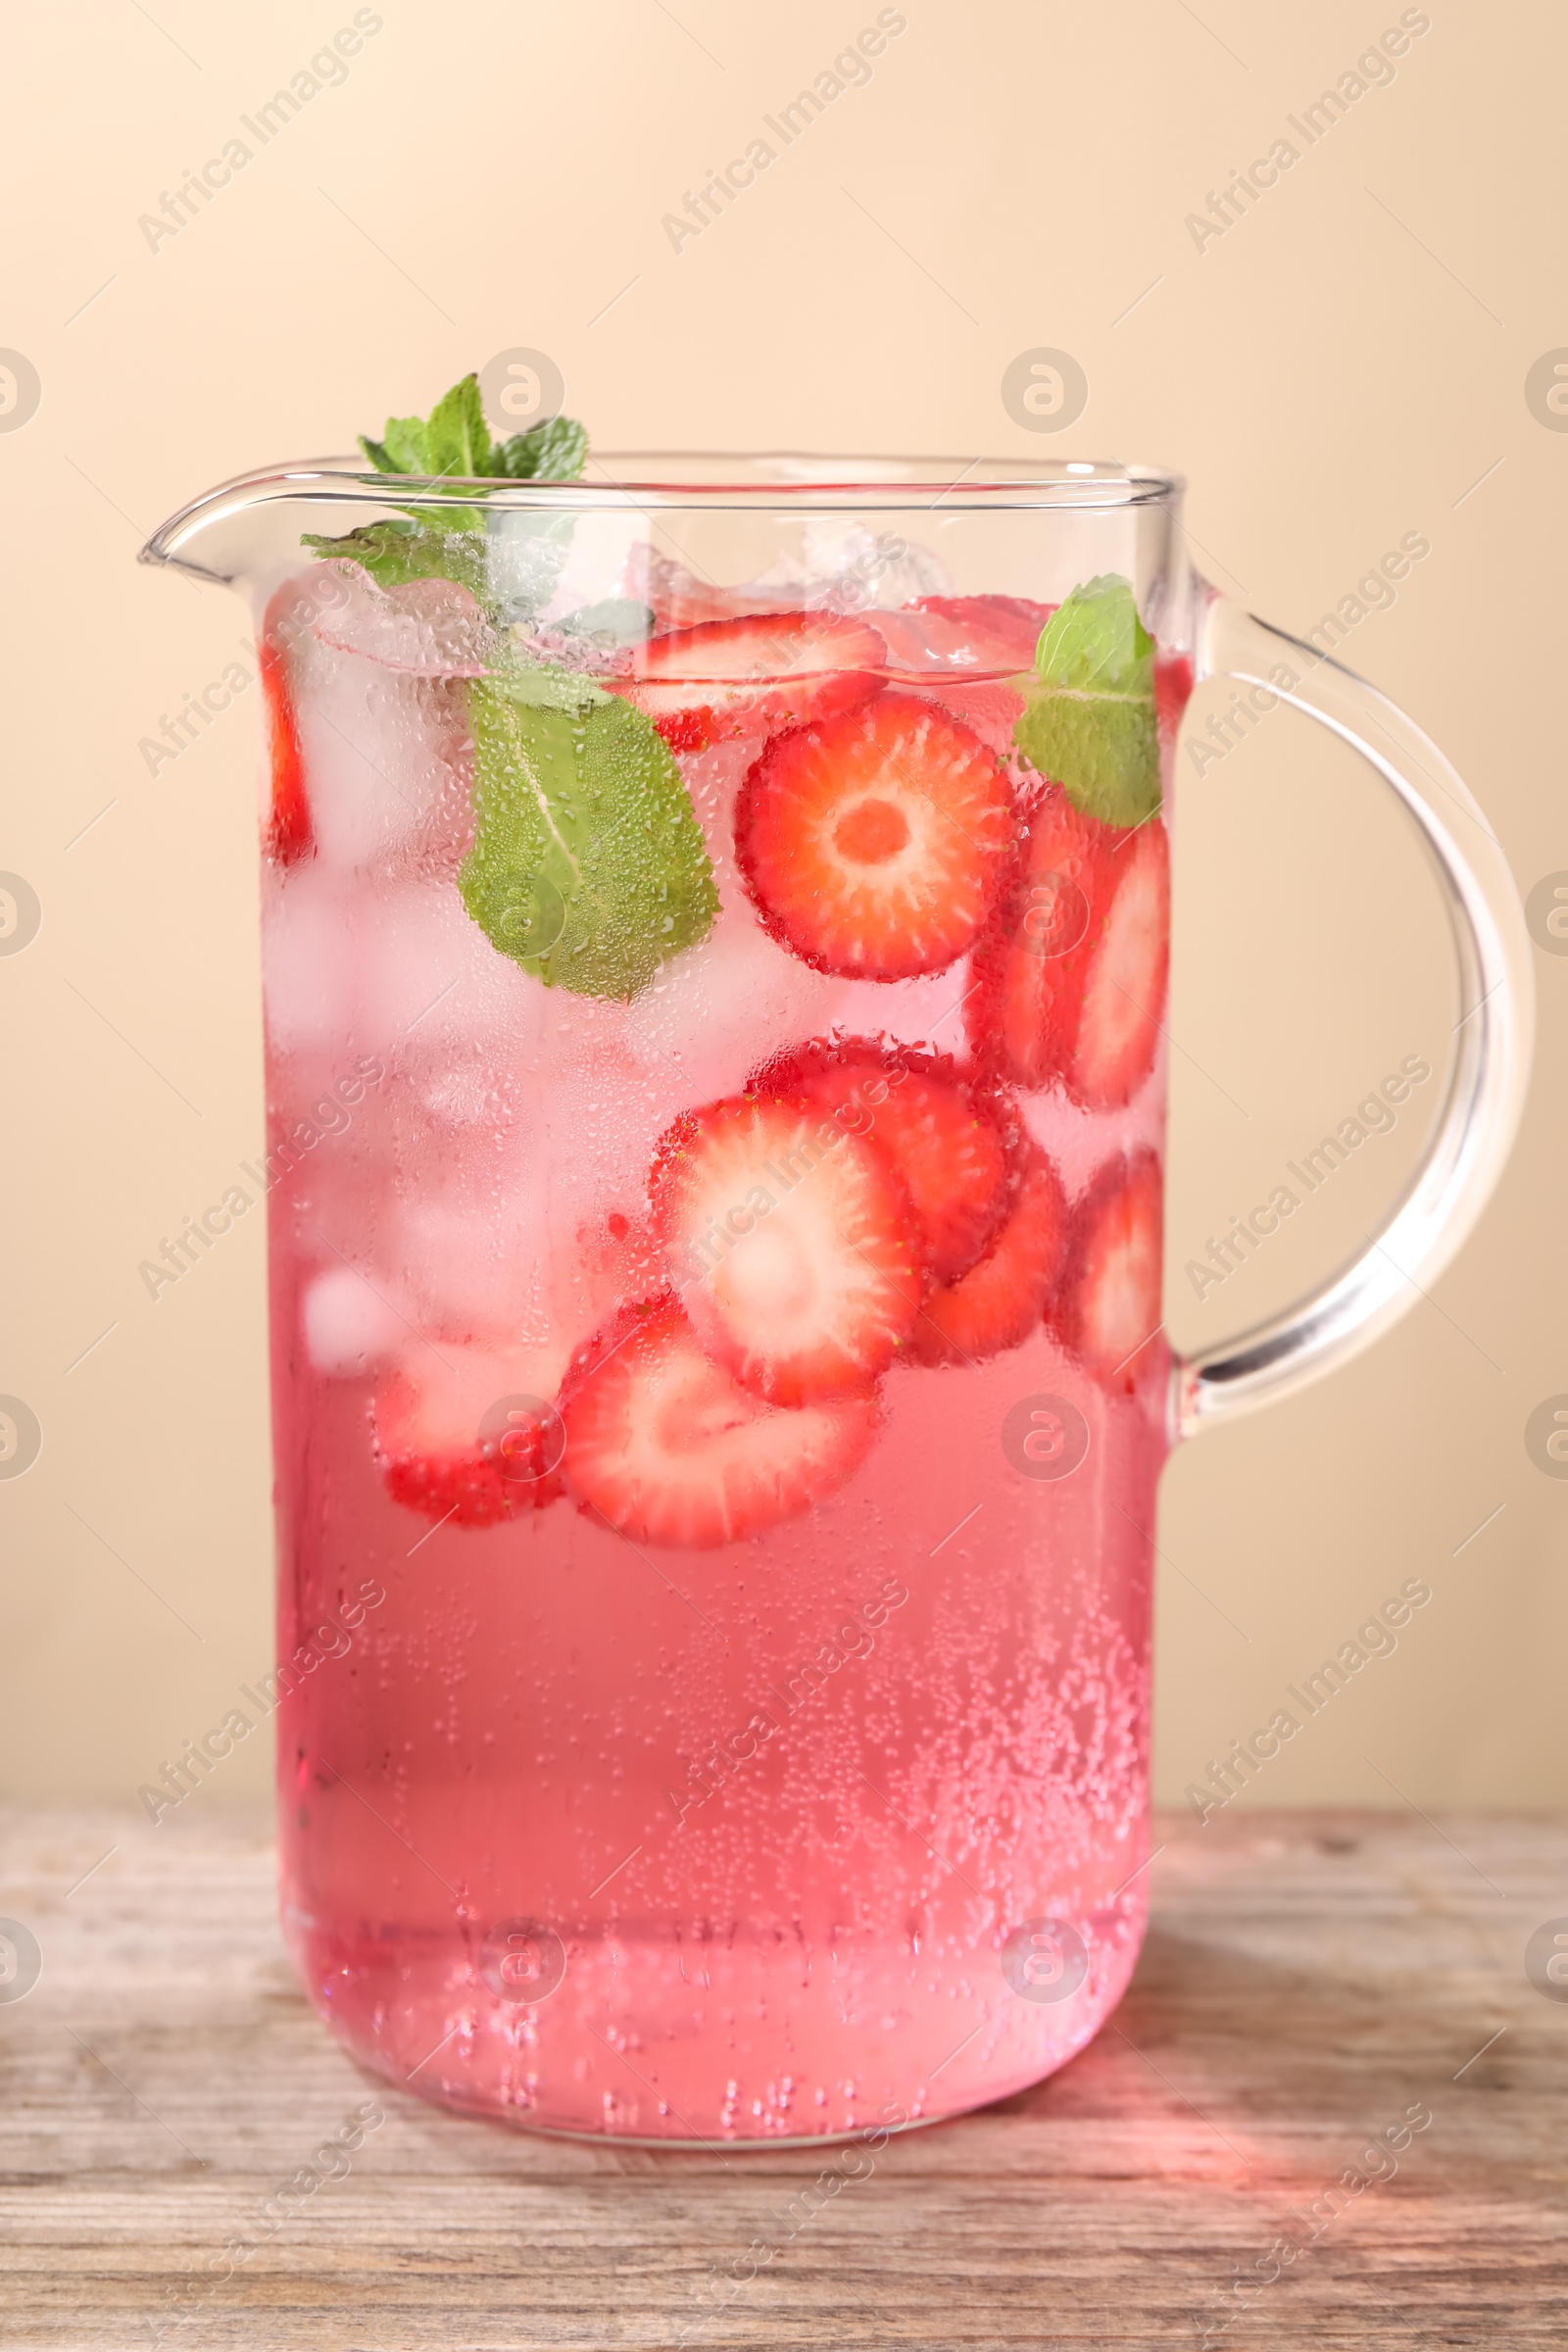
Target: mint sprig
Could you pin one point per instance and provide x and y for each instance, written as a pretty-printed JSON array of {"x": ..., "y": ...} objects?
[
  {"x": 588, "y": 866},
  {"x": 453, "y": 444},
  {"x": 454, "y": 440},
  {"x": 1089, "y": 722}
]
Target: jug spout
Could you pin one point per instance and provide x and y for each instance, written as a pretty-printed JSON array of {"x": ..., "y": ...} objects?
[{"x": 247, "y": 532}]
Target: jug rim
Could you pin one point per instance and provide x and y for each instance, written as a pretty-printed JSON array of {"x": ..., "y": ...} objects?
[{"x": 711, "y": 482}]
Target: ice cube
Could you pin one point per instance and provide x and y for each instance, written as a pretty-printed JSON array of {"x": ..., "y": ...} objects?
[
  {"x": 388, "y": 761},
  {"x": 680, "y": 598},
  {"x": 430, "y": 983},
  {"x": 472, "y": 1265},
  {"x": 712, "y": 779},
  {"x": 526, "y": 554},
  {"x": 1080, "y": 1141},
  {"x": 847, "y": 568},
  {"x": 401, "y": 970},
  {"x": 428, "y": 629},
  {"x": 309, "y": 981},
  {"x": 443, "y": 1392},
  {"x": 349, "y": 1327},
  {"x": 711, "y": 1015},
  {"x": 911, "y": 1013},
  {"x": 985, "y": 636},
  {"x": 489, "y": 1237}
]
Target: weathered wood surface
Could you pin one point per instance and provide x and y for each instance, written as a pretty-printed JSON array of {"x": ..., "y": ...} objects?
[{"x": 1309, "y": 1979}]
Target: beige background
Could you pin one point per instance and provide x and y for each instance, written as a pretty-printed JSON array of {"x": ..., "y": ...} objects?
[{"x": 1336, "y": 371}]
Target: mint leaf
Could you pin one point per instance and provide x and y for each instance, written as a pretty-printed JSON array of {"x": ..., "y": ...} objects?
[
  {"x": 395, "y": 551},
  {"x": 1095, "y": 639},
  {"x": 548, "y": 452},
  {"x": 404, "y": 446},
  {"x": 457, "y": 438},
  {"x": 588, "y": 868},
  {"x": 1088, "y": 719}
]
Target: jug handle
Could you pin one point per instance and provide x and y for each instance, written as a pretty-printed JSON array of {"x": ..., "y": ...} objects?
[{"x": 1491, "y": 1069}]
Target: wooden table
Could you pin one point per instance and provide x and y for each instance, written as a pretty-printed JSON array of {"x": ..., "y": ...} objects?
[{"x": 1309, "y": 1981}]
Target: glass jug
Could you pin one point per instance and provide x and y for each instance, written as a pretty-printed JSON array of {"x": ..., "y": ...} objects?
[{"x": 715, "y": 921}]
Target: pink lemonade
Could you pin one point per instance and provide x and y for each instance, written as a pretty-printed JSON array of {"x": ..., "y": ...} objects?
[{"x": 718, "y": 1414}]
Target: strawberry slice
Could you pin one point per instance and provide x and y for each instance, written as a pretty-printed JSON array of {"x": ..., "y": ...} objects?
[
  {"x": 981, "y": 636},
  {"x": 1124, "y": 989},
  {"x": 1073, "y": 978},
  {"x": 776, "y": 669},
  {"x": 289, "y": 837},
  {"x": 947, "y": 1147},
  {"x": 1002, "y": 1299},
  {"x": 872, "y": 842},
  {"x": 663, "y": 1444},
  {"x": 467, "y": 1433},
  {"x": 789, "y": 1241},
  {"x": 1109, "y": 1303}
]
